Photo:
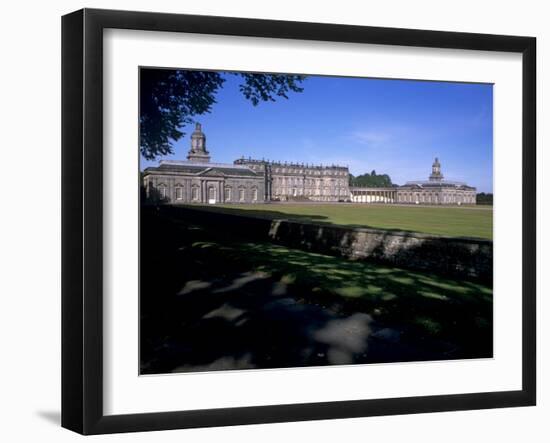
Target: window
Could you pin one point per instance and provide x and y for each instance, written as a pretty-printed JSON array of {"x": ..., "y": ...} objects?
[
  {"x": 254, "y": 194},
  {"x": 241, "y": 194},
  {"x": 179, "y": 193},
  {"x": 195, "y": 193},
  {"x": 227, "y": 194},
  {"x": 162, "y": 191}
]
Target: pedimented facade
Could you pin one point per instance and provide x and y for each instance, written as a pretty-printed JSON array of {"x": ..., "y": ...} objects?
[{"x": 197, "y": 180}]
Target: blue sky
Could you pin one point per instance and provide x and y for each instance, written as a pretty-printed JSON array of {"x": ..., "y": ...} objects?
[{"x": 395, "y": 127}]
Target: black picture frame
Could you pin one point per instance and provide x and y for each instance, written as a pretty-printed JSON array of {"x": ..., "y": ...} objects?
[{"x": 82, "y": 215}]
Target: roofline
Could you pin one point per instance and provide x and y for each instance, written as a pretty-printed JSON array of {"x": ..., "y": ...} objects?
[
  {"x": 291, "y": 165},
  {"x": 200, "y": 164}
]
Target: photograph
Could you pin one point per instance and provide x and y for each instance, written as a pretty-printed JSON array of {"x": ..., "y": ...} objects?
[{"x": 292, "y": 220}]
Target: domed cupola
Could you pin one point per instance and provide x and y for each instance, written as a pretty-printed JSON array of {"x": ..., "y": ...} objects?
[
  {"x": 198, "y": 152},
  {"x": 436, "y": 175}
]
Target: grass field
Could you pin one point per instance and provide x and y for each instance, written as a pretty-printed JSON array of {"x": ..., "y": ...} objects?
[
  {"x": 223, "y": 302},
  {"x": 443, "y": 220}
]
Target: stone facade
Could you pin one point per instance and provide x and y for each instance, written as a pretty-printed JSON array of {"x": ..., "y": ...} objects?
[
  {"x": 455, "y": 257},
  {"x": 301, "y": 182},
  {"x": 197, "y": 180},
  {"x": 434, "y": 191}
]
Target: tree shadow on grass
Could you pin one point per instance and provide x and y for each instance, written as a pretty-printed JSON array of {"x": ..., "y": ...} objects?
[
  {"x": 203, "y": 214},
  {"x": 451, "y": 256},
  {"x": 212, "y": 302}
]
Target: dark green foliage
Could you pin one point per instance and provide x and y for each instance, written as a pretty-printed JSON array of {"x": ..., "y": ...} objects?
[
  {"x": 484, "y": 199},
  {"x": 265, "y": 87},
  {"x": 373, "y": 180},
  {"x": 170, "y": 98}
]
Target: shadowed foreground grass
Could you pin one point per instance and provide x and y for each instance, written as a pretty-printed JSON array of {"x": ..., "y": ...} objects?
[
  {"x": 433, "y": 305},
  {"x": 440, "y": 220},
  {"x": 209, "y": 302}
]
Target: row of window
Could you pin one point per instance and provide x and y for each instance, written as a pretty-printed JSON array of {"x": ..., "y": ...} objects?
[
  {"x": 212, "y": 193},
  {"x": 415, "y": 198},
  {"x": 308, "y": 171},
  {"x": 227, "y": 194},
  {"x": 163, "y": 192},
  {"x": 308, "y": 181},
  {"x": 309, "y": 192},
  {"x": 434, "y": 198}
]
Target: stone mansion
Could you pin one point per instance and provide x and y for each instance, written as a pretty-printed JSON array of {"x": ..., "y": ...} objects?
[{"x": 198, "y": 180}]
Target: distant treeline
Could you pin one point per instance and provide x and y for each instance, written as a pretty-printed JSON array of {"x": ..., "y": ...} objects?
[
  {"x": 372, "y": 180},
  {"x": 484, "y": 199}
]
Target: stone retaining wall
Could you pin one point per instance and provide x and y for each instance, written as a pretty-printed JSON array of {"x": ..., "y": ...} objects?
[{"x": 455, "y": 257}]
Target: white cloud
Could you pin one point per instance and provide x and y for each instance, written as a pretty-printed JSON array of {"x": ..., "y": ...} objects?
[{"x": 370, "y": 138}]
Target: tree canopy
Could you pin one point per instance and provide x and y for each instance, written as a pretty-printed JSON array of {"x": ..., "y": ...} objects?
[
  {"x": 373, "y": 180},
  {"x": 169, "y": 99},
  {"x": 484, "y": 199}
]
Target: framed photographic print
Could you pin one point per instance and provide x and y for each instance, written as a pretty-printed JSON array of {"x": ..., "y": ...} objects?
[{"x": 269, "y": 221}]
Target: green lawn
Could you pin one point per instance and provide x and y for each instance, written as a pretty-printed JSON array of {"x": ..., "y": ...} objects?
[
  {"x": 220, "y": 298},
  {"x": 455, "y": 310},
  {"x": 442, "y": 220}
]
